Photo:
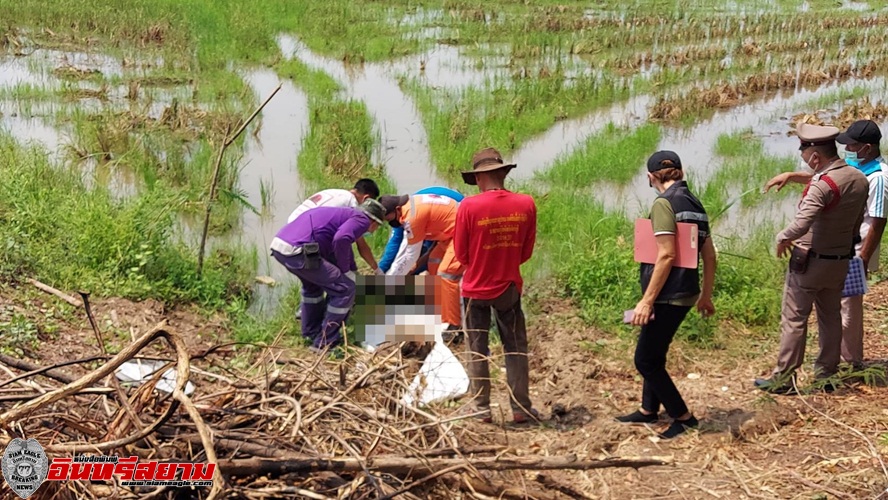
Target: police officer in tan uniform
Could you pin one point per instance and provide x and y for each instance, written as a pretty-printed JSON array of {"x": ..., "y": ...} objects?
[{"x": 820, "y": 241}]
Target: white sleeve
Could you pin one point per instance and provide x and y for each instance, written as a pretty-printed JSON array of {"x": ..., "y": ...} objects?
[
  {"x": 878, "y": 195},
  {"x": 406, "y": 258},
  {"x": 293, "y": 216},
  {"x": 299, "y": 210}
]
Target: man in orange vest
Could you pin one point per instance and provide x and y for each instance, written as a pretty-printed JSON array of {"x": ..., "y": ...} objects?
[{"x": 428, "y": 217}]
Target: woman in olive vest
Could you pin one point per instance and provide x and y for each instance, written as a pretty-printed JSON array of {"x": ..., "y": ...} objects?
[{"x": 669, "y": 293}]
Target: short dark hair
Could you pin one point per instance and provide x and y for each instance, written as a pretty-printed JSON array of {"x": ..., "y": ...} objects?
[
  {"x": 367, "y": 186},
  {"x": 668, "y": 174}
]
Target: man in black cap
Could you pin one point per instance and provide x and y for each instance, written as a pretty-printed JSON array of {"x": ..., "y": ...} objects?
[
  {"x": 669, "y": 293},
  {"x": 862, "y": 151}
]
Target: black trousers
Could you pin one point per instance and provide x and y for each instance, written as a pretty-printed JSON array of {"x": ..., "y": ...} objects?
[{"x": 650, "y": 360}]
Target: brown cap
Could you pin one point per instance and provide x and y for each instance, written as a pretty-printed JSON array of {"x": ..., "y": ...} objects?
[
  {"x": 815, "y": 135},
  {"x": 391, "y": 203},
  {"x": 486, "y": 160}
]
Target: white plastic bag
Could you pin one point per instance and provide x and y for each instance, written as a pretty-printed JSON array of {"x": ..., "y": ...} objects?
[
  {"x": 441, "y": 377},
  {"x": 140, "y": 371}
]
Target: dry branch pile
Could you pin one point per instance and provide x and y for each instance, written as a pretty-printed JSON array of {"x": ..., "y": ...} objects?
[{"x": 297, "y": 428}]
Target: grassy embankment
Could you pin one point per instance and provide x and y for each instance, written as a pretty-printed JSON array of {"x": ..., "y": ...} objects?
[
  {"x": 136, "y": 254},
  {"x": 213, "y": 34}
]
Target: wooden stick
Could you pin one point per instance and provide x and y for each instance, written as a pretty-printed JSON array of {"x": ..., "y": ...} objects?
[
  {"x": 58, "y": 293},
  {"x": 206, "y": 226},
  {"x": 423, "y": 480},
  {"x": 810, "y": 484},
  {"x": 92, "y": 321},
  {"x": 206, "y": 436},
  {"x": 407, "y": 465},
  {"x": 285, "y": 490},
  {"x": 552, "y": 484},
  {"x": 228, "y": 140},
  {"x": 49, "y": 371},
  {"x": 10, "y": 418},
  {"x": 501, "y": 490}
]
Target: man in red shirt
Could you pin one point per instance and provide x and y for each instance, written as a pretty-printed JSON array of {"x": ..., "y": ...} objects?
[{"x": 495, "y": 233}]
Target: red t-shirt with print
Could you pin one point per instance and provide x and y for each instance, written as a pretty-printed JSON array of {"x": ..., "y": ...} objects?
[{"x": 495, "y": 233}]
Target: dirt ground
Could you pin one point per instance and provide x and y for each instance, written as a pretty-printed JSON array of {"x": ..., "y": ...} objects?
[{"x": 749, "y": 445}]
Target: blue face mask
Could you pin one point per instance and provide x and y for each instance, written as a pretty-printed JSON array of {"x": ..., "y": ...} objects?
[{"x": 851, "y": 158}]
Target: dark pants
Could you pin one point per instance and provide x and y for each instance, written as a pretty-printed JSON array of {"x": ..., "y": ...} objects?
[
  {"x": 510, "y": 323},
  {"x": 650, "y": 360},
  {"x": 322, "y": 318}
]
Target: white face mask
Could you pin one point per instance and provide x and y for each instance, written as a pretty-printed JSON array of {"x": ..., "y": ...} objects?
[{"x": 804, "y": 167}]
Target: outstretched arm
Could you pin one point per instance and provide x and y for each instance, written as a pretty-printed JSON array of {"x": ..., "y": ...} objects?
[{"x": 780, "y": 180}]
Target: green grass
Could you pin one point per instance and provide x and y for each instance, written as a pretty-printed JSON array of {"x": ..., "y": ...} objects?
[
  {"x": 504, "y": 115},
  {"x": 339, "y": 146},
  {"x": 589, "y": 249},
  {"x": 742, "y": 173},
  {"x": 96, "y": 242},
  {"x": 835, "y": 98},
  {"x": 57, "y": 229},
  {"x": 610, "y": 155}
]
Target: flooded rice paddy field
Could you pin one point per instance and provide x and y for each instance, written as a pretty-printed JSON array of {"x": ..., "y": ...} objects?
[{"x": 722, "y": 84}]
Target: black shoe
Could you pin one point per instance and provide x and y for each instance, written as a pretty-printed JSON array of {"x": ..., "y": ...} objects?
[
  {"x": 774, "y": 386},
  {"x": 679, "y": 427},
  {"x": 825, "y": 385},
  {"x": 638, "y": 417},
  {"x": 452, "y": 335}
]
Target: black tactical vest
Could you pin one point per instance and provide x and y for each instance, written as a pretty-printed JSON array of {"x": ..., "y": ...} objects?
[{"x": 681, "y": 282}]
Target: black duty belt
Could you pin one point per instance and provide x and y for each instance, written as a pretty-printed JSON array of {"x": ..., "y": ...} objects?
[{"x": 831, "y": 257}]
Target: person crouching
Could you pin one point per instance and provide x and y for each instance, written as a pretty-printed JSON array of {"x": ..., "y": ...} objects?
[{"x": 317, "y": 248}]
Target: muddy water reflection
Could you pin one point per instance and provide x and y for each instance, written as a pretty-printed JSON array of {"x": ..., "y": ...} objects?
[
  {"x": 696, "y": 145},
  {"x": 269, "y": 165},
  {"x": 566, "y": 136},
  {"x": 33, "y": 131},
  {"x": 404, "y": 148}
]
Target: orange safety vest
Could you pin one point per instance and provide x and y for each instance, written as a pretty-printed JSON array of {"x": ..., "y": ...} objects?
[{"x": 428, "y": 217}]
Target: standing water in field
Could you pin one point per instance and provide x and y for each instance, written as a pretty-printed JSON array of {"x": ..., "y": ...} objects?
[
  {"x": 404, "y": 148},
  {"x": 269, "y": 177}
]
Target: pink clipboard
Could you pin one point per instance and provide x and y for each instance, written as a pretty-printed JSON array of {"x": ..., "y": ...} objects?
[{"x": 686, "y": 253}]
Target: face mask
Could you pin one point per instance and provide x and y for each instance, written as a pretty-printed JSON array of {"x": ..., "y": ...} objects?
[
  {"x": 851, "y": 158},
  {"x": 806, "y": 165},
  {"x": 395, "y": 223}
]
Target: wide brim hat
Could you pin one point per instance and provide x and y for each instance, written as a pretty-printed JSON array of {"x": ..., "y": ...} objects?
[{"x": 485, "y": 160}]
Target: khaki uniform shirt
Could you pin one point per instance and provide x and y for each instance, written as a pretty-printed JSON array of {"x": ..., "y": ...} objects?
[{"x": 830, "y": 232}]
